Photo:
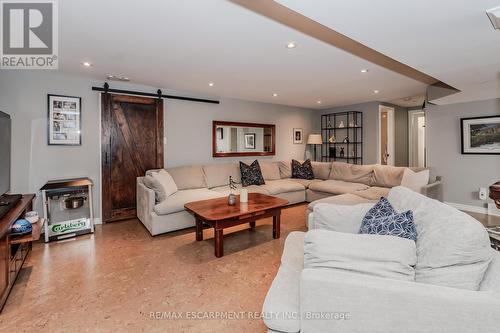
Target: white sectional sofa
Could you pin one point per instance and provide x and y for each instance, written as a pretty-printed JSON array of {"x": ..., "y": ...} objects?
[
  {"x": 335, "y": 182},
  {"x": 455, "y": 286}
]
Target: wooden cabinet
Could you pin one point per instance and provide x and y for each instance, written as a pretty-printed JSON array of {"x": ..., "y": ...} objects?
[{"x": 14, "y": 250}]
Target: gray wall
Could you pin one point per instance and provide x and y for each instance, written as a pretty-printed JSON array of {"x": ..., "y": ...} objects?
[
  {"x": 188, "y": 126},
  {"x": 370, "y": 129},
  {"x": 463, "y": 174}
]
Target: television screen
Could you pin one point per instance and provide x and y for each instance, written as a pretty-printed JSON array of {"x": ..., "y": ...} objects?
[{"x": 5, "y": 132}]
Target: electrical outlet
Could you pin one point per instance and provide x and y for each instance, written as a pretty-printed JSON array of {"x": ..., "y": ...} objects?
[{"x": 483, "y": 193}]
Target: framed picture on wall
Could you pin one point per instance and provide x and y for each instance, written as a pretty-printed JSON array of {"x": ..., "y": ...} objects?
[
  {"x": 250, "y": 141},
  {"x": 480, "y": 135},
  {"x": 297, "y": 136},
  {"x": 64, "y": 120}
]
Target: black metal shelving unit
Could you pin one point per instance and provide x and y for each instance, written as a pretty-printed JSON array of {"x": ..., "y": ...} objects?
[{"x": 341, "y": 125}]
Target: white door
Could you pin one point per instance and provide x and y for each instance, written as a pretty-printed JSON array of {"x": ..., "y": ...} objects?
[
  {"x": 386, "y": 135},
  {"x": 416, "y": 138}
]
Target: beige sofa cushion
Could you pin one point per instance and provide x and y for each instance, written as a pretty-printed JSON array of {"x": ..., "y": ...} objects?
[
  {"x": 387, "y": 176},
  {"x": 162, "y": 183},
  {"x": 415, "y": 180},
  {"x": 337, "y": 187},
  {"x": 270, "y": 170},
  {"x": 352, "y": 173},
  {"x": 175, "y": 203},
  {"x": 285, "y": 168},
  {"x": 373, "y": 193},
  {"x": 218, "y": 174},
  {"x": 321, "y": 170},
  {"x": 343, "y": 199},
  {"x": 282, "y": 186},
  {"x": 304, "y": 182},
  {"x": 225, "y": 190},
  {"x": 188, "y": 177}
]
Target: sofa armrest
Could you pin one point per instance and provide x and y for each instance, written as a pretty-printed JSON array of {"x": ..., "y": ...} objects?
[
  {"x": 145, "y": 201},
  {"x": 434, "y": 190},
  {"x": 350, "y": 302}
]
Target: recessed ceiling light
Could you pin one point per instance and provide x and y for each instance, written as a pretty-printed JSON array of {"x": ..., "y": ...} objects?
[
  {"x": 275, "y": 95},
  {"x": 364, "y": 70},
  {"x": 117, "y": 77},
  {"x": 86, "y": 64},
  {"x": 376, "y": 91},
  {"x": 291, "y": 45},
  {"x": 318, "y": 102},
  {"x": 211, "y": 84}
]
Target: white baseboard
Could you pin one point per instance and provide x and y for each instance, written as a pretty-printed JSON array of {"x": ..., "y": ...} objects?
[
  {"x": 468, "y": 208},
  {"x": 476, "y": 209}
]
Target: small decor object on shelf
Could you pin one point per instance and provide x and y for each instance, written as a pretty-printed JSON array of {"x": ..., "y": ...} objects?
[
  {"x": 32, "y": 216},
  {"x": 352, "y": 124},
  {"x": 353, "y": 154},
  {"x": 297, "y": 136},
  {"x": 329, "y": 125},
  {"x": 231, "y": 199},
  {"x": 21, "y": 227},
  {"x": 346, "y": 140},
  {"x": 342, "y": 153},
  {"x": 332, "y": 139},
  {"x": 341, "y": 125},
  {"x": 64, "y": 120},
  {"x": 481, "y": 135}
]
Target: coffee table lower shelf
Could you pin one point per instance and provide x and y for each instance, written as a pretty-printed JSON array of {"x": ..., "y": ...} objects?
[{"x": 219, "y": 227}]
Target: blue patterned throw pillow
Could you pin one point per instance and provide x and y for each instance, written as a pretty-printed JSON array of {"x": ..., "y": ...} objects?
[{"x": 382, "y": 219}]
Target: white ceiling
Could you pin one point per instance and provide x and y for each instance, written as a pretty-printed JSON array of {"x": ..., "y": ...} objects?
[
  {"x": 452, "y": 40},
  {"x": 185, "y": 44}
]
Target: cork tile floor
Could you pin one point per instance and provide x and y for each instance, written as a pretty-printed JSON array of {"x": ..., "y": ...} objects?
[{"x": 113, "y": 280}]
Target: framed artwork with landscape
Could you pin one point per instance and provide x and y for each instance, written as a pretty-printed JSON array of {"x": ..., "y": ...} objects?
[
  {"x": 481, "y": 135},
  {"x": 64, "y": 120}
]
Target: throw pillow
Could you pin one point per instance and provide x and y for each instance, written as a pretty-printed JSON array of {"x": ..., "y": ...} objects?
[
  {"x": 382, "y": 219},
  {"x": 302, "y": 171},
  {"x": 251, "y": 174},
  {"x": 162, "y": 183},
  {"x": 415, "y": 180},
  {"x": 381, "y": 256}
]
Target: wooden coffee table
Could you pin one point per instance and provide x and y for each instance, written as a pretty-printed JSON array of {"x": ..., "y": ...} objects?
[{"x": 219, "y": 215}]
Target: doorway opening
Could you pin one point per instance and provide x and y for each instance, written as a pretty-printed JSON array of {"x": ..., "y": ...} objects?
[
  {"x": 416, "y": 139},
  {"x": 386, "y": 136}
]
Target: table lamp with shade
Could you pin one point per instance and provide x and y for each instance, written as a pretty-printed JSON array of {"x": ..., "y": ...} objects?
[{"x": 314, "y": 139}]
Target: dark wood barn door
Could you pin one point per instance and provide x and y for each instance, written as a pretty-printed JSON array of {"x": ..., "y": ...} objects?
[{"x": 132, "y": 143}]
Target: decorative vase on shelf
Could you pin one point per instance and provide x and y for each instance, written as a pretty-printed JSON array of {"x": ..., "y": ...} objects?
[
  {"x": 342, "y": 153},
  {"x": 341, "y": 125},
  {"x": 352, "y": 124},
  {"x": 332, "y": 152}
]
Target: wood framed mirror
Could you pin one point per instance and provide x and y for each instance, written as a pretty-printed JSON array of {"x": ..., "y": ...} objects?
[{"x": 242, "y": 139}]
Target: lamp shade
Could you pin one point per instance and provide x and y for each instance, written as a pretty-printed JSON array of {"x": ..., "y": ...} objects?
[{"x": 314, "y": 139}]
